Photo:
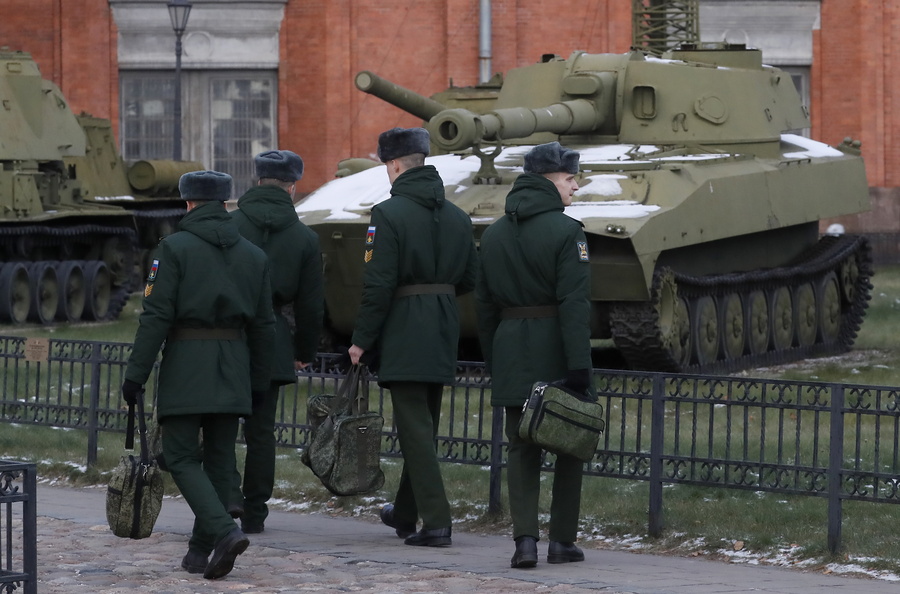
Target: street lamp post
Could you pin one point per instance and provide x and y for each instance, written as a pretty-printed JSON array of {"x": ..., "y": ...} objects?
[{"x": 179, "y": 12}]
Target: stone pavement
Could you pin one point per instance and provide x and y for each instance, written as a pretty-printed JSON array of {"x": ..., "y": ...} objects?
[{"x": 317, "y": 553}]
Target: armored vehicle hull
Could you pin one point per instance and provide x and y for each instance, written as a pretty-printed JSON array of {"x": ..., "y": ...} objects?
[
  {"x": 73, "y": 230},
  {"x": 700, "y": 205}
]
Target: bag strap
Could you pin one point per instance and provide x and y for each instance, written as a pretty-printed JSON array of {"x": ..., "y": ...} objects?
[
  {"x": 129, "y": 429},
  {"x": 141, "y": 428},
  {"x": 360, "y": 402},
  {"x": 141, "y": 479},
  {"x": 347, "y": 391}
]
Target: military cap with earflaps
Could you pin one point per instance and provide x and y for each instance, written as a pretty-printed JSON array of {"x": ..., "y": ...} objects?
[
  {"x": 399, "y": 142},
  {"x": 205, "y": 185},
  {"x": 551, "y": 158},
  {"x": 281, "y": 165}
]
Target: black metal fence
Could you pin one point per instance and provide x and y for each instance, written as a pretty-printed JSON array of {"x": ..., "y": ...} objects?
[
  {"x": 835, "y": 441},
  {"x": 18, "y": 519}
]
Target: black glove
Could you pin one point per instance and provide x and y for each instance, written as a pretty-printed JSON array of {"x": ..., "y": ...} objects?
[
  {"x": 258, "y": 397},
  {"x": 578, "y": 380},
  {"x": 131, "y": 391}
]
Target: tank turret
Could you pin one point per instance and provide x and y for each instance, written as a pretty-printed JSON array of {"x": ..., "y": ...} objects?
[
  {"x": 700, "y": 199},
  {"x": 668, "y": 111}
]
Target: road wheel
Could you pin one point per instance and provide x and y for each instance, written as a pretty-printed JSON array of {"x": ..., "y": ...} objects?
[
  {"x": 806, "y": 321},
  {"x": 732, "y": 325},
  {"x": 705, "y": 330},
  {"x": 681, "y": 347},
  {"x": 782, "y": 319},
  {"x": 15, "y": 294},
  {"x": 71, "y": 291},
  {"x": 674, "y": 324},
  {"x": 829, "y": 299},
  {"x": 849, "y": 275},
  {"x": 44, "y": 292},
  {"x": 757, "y": 326},
  {"x": 98, "y": 290}
]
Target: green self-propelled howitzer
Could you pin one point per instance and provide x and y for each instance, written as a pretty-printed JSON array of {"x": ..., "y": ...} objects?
[
  {"x": 700, "y": 197},
  {"x": 76, "y": 223}
]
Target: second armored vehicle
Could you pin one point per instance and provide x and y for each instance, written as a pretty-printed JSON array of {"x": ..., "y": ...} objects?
[
  {"x": 74, "y": 221},
  {"x": 700, "y": 199}
]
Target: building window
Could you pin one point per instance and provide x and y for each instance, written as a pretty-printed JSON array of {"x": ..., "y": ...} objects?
[
  {"x": 147, "y": 108},
  {"x": 227, "y": 118},
  {"x": 242, "y": 125}
]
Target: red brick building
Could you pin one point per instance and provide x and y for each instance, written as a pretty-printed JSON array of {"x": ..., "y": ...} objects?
[{"x": 302, "y": 56}]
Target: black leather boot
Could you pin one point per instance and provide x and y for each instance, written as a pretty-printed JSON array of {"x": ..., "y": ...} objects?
[
  {"x": 403, "y": 529},
  {"x": 564, "y": 552},
  {"x": 526, "y": 553},
  {"x": 435, "y": 537},
  {"x": 194, "y": 561}
]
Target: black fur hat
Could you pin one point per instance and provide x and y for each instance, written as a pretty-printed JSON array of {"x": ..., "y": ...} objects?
[
  {"x": 205, "y": 185},
  {"x": 399, "y": 142},
  {"x": 280, "y": 165},
  {"x": 551, "y": 158}
]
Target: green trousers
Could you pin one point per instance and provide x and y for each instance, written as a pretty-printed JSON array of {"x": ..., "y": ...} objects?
[
  {"x": 203, "y": 474},
  {"x": 524, "y": 484},
  {"x": 417, "y": 413},
  {"x": 259, "y": 464}
]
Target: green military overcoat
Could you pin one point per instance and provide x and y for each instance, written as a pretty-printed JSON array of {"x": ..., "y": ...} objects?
[
  {"x": 535, "y": 255},
  {"x": 206, "y": 276},
  {"x": 415, "y": 237},
  {"x": 266, "y": 217}
]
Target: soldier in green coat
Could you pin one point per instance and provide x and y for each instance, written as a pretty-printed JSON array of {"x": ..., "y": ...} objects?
[
  {"x": 208, "y": 298},
  {"x": 266, "y": 217},
  {"x": 420, "y": 254},
  {"x": 533, "y": 306}
]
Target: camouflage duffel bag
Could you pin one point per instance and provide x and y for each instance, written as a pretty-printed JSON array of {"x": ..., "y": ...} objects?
[
  {"x": 135, "y": 491},
  {"x": 345, "y": 449},
  {"x": 562, "y": 421}
]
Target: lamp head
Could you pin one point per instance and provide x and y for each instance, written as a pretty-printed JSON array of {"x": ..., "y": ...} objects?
[{"x": 179, "y": 12}]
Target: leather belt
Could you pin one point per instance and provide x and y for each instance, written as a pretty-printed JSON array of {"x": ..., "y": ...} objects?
[
  {"x": 205, "y": 334},
  {"x": 426, "y": 289},
  {"x": 533, "y": 311}
]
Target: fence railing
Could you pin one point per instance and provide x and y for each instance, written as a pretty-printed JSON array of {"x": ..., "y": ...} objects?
[
  {"x": 834, "y": 441},
  {"x": 18, "y": 522}
]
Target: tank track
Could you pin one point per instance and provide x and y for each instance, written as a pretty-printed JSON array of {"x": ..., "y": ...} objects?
[
  {"x": 639, "y": 337},
  {"x": 149, "y": 221},
  {"x": 21, "y": 242}
]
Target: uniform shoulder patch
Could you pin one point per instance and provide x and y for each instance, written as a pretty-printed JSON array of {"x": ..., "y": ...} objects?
[
  {"x": 370, "y": 243},
  {"x": 154, "y": 269},
  {"x": 582, "y": 251}
]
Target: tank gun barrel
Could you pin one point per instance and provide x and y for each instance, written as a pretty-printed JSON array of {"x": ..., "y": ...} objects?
[
  {"x": 409, "y": 101},
  {"x": 456, "y": 129}
]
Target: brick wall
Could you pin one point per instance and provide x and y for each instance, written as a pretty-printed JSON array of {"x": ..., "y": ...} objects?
[
  {"x": 74, "y": 45},
  {"x": 854, "y": 82},
  {"x": 421, "y": 46}
]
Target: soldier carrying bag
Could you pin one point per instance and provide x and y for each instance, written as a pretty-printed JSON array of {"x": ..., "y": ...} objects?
[
  {"x": 135, "y": 491},
  {"x": 345, "y": 448},
  {"x": 562, "y": 421}
]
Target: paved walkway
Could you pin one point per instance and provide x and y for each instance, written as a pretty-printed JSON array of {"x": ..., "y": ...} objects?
[{"x": 317, "y": 553}]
